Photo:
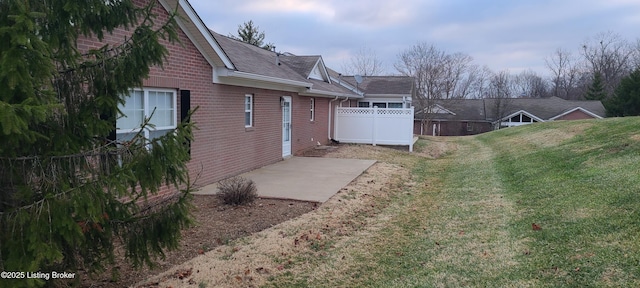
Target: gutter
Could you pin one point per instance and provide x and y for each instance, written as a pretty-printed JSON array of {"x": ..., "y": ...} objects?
[
  {"x": 329, "y": 125},
  {"x": 311, "y": 92},
  {"x": 262, "y": 78}
]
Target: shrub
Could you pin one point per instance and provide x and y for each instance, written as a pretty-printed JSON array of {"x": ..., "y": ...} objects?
[{"x": 237, "y": 191}]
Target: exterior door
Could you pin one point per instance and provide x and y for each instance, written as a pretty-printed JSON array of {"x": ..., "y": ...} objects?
[{"x": 286, "y": 126}]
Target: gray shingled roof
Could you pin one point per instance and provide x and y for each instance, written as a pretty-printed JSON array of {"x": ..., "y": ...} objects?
[
  {"x": 464, "y": 110},
  {"x": 252, "y": 59},
  {"x": 485, "y": 109},
  {"x": 255, "y": 60},
  {"x": 397, "y": 85},
  {"x": 301, "y": 64}
]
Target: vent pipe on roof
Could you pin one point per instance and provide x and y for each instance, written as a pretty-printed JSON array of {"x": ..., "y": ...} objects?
[{"x": 277, "y": 58}]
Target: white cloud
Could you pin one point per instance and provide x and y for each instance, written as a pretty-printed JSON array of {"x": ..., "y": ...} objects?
[
  {"x": 364, "y": 13},
  {"x": 321, "y": 8}
]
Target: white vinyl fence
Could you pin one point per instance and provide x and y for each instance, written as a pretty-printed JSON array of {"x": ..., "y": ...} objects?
[{"x": 384, "y": 126}]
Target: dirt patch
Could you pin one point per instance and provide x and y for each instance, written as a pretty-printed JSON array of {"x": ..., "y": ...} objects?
[
  {"x": 216, "y": 224},
  {"x": 436, "y": 147},
  {"x": 289, "y": 246},
  {"x": 214, "y": 252}
]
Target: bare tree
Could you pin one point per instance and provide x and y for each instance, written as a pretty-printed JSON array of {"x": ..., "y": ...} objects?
[
  {"x": 481, "y": 78},
  {"x": 439, "y": 75},
  {"x": 456, "y": 77},
  {"x": 528, "y": 84},
  {"x": 609, "y": 55},
  {"x": 364, "y": 62},
  {"x": 422, "y": 61},
  {"x": 565, "y": 74},
  {"x": 501, "y": 90}
]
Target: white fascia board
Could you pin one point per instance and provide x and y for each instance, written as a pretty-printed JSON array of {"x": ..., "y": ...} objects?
[
  {"x": 225, "y": 73},
  {"x": 347, "y": 86},
  {"x": 576, "y": 109},
  {"x": 435, "y": 107},
  {"x": 323, "y": 69},
  {"x": 194, "y": 19},
  {"x": 523, "y": 112},
  {"x": 387, "y": 95},
  {"x": 320, "y": 93}
]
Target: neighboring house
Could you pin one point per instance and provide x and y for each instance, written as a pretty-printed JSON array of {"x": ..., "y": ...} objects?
[
  {"x": 256, "y": 107},
  {"x": 459, "y": 117},
  {"x": 383, "y": 91}
]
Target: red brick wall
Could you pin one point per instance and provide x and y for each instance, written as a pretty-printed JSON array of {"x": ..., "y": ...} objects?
[
  {"x": 307, "y": 133},
  {"x": 575, "y": 115},
  {"x": 222, "y": 146},
  {"x": 451, "y": 128}
]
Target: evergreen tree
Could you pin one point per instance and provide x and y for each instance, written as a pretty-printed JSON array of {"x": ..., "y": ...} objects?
[
  {"x": 68, "y": 189},
  {"x": 248, "y": 33},
  {"x": 626, "y": 99},
  {"x": 596, "y": 90}
]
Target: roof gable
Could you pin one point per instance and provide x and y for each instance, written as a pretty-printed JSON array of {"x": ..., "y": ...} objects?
[
  {"x": 540, "y": 109},
  {"x": 197, "y": 32},
  {"x": 523, "y": 112},
  {"x": 319, "y": 71},
  {"x": 587, "y": 112}
]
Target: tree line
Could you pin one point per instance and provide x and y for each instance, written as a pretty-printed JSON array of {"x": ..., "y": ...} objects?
[{"x": 594, "y": 72}]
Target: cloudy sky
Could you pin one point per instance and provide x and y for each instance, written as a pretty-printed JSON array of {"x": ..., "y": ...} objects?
[{"x": 512, "y": 35}]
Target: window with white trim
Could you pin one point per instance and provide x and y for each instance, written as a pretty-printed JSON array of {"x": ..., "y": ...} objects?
[
  {"x": 367, "y": 104},
  {"x": 157, "y": 104},
  {"x": 248, "y": 110},
  {"x": 312, "y": 109}
]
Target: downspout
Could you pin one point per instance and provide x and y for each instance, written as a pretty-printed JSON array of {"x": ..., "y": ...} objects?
[
  {"x": 345, "y": 100},
  {"x": 329, "y": 130}
]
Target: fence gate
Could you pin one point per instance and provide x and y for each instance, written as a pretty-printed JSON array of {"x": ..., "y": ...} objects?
[{"x": 384, "y": 126}]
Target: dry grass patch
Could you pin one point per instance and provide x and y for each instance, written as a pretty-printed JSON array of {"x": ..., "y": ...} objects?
[
  {"x": 436, "y": 147},
  {"x": 302, "y": 244},
  {"x": 543, "y": 135}
]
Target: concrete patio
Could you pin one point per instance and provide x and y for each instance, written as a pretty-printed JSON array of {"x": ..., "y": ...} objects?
[{"x": 303, "y": 178}]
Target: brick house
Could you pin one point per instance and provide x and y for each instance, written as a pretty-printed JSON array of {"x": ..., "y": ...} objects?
[
  {"x": 256, "y": 107},
  {"x": 459, "y": 117}
]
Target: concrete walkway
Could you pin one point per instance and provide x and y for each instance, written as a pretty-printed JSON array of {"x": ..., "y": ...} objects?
[{"x": 303, "y": 178}]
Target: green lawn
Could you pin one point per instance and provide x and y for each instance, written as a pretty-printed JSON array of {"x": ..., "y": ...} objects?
[{"x": 467, "y": 219}]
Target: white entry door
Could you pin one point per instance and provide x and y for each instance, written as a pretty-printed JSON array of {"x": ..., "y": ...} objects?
[{"x": 286, "y": 126}]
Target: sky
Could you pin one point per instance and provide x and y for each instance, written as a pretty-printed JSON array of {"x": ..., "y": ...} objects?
[{"x": 511, "y": 35}]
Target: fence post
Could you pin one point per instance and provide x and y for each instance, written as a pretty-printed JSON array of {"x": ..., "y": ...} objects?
[
  {"x": 336, "y": 135},
  {"x": 374, "y": 125}
]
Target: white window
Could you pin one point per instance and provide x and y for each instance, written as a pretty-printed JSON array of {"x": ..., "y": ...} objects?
[
  {"x": 312, "y": 108},
  {"x": 157, "y": 104},
  {"x": 248, "y": 110}
]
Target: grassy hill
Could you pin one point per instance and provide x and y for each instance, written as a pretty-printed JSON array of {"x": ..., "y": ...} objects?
[
  {"x": 544, "y": 205},
  {"x": 580, "y": 181}
]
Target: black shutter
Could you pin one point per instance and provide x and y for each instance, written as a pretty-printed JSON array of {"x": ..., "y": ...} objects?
[{"x": 185, "y": 106}]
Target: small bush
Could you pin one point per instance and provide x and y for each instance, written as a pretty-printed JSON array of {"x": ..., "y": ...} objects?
[{"x": 237, "y": 191}]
